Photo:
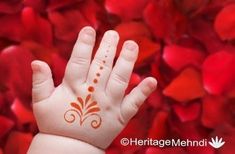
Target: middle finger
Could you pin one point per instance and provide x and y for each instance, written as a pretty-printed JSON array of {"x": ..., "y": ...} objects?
[{"x": 102, "y": 63}]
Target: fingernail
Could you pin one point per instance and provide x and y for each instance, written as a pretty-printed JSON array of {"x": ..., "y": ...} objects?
[
  {"x": 130, "y": 45},
  {"x": 152, "y": 84},
  {"x": 111, "y": 37},
  {"x": 35, "y": 67},
  {"x": 87, "y": 35},
  {"x": 88, "y": 31},
  {"x": 112, "y": 34}
]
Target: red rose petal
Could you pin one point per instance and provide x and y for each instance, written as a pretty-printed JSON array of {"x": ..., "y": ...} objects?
[
  {"x": 156, "y": 70},
  {"x": 58, "y": 65},
  {"x": 40, "y": 51},
  {"x": 218, "y": 72},
  {"x": 192, "y": 7},
  {"x": 231, "y": 93},
  {"x": 6, "y": 125},
  {"x": 178, "y": 57},
  {"x": 137, "y": 29},
  {"x": 134, "y": 81},
  {"x": 3, "y": 44},
  {"x": 23, "y": 114},
  {"x": 188, "y": 130},
  {"x": 136, "y": 128},
  {"x": 216, "y": 6},
  {"x": 171, "y": 150},
  {"x": 12, "y": 28},
  {"x": 18, "y": 143},
  {"x": 124, "y": 10},
  {"x": 59, "y": 4},
  {"x": 3, "y": 78},
  {"x": 229, "y": 146},
  {"x": 112, "y": 150},
  {"x": 10, "y": 6},
  {"x": 164, "y": 25},
  {"x": 158, "y": 129},
  {"x": 1, "y": 99},
  {"x": 205, "y": 150},
  {"x": 147, "y": 49},
  {"x": 227, "y": 132},
  {"x": 203, "y": 31},
  {"x": 38, "y": 5},
  {"x": 225, "y": 23},
  {"x": 36, "y": 28},
  {"x": 185, "y": 87},
  {"x": 188, "y": 112},
  {"x": 140, "y": 34},
  {"x": 153, "y": 12},
  {"x": 6, "y": 98},
  {"x": 156, "y": 99},
  {"x": 131, "y": 132},
  {"x": 213, "y": 111},
  {"x": 17, "y": 62},
  {"x": 93, "y": 13},
  {"x": 64, "y": 26},
  {"x": 65, "y": 48}
]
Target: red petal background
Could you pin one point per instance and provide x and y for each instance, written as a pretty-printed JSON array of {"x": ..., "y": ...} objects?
[{"x": 187, "y": 45}]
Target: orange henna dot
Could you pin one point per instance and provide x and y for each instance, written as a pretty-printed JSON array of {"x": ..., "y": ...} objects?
[
  {"x": 97, "y": 74},
  {"x": 95, "y": 81},
  {"x": 91, "y": 89}
]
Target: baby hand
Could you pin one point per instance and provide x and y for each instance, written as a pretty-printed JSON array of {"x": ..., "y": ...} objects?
[{"x": 90, "y": 104}]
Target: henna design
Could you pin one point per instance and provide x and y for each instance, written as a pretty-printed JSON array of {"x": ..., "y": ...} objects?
[
  {"x": 87, "y": 108},
  {"x": 91, "y": 89},
  {"x": 72, "y": 113},
  {"x": 95, "y": 81},
  {"x": 84, "y": 109}
]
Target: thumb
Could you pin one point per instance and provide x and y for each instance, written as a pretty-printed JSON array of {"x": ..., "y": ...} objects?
[{"x": 43, "y": 85}]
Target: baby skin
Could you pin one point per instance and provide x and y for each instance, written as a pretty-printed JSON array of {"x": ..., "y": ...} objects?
[{"x": 89, "y": 108}]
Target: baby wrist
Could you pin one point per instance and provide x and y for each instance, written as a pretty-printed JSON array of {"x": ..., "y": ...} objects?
[{"x": 47, "y": 144}]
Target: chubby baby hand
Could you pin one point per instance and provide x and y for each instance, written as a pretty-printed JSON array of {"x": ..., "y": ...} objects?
[{"x": 89, "y": 105}]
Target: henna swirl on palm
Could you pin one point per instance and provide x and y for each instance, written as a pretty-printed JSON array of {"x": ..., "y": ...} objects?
[
  {"x": 70, "y": 115},
  {"x": 83, "y": 109}
]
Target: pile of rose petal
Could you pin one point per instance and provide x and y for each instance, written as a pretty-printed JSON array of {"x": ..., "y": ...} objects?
[{"x": 189, "y": 46}]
